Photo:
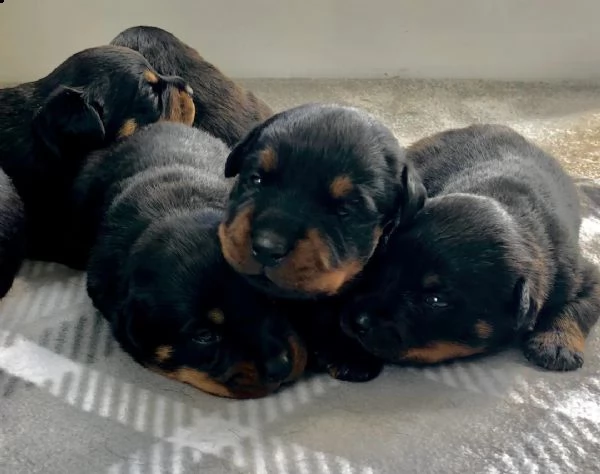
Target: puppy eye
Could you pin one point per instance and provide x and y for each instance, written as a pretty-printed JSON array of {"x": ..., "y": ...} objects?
[
  {"x": 256, "y": 179},
  {"x": 205, "y": 337},
  {"x": 436, "y": 301}
]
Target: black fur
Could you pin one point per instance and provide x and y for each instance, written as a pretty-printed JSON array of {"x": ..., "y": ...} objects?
[
  {"x": 318, "y": 187},
  {"x": 49, "y": 125},
  {"x": 223, "y": 108},
  {"x": 493, "y": 255},
  {"x": 150, "y": 206}
]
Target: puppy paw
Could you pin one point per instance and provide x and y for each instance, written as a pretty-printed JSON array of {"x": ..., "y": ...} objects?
[
  {"x": 358, "y": 370},
  {"x": 552, "y": 351}
]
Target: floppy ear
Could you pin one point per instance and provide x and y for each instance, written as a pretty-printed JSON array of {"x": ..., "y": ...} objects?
[
  {"x": 525, "y": 306},
  {"x": 68, "y": 123},
  {"x": 413, "y": 193},
  {"x": 233, "y": 165},
  {"x": 410, "y": 194}
]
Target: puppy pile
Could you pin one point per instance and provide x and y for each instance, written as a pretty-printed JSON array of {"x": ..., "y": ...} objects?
[{"x": 235, "y": 249}]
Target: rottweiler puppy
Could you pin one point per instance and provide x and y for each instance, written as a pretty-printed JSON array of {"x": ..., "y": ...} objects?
[
  {"x": 153, "y": 204},
  {"x": 491, "y": 258},
  {"x": 94, "y": 98},
  {"x": 223, "y": 108},
  {"x": 319, "y": 187}
]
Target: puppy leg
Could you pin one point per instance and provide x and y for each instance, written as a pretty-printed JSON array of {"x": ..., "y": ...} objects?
[
  {"x": 344, "y": 359},
  {"x": 12, "y": 233},
  {"x": 558, "y": 340}
]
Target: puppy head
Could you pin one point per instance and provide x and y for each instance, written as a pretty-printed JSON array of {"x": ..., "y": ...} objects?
[
  {"x": 317, "y": 187},
  {"x": 188, "y": 316},
  {"x": 103, "y": 94},
  {"x": 461, "y": 281}
]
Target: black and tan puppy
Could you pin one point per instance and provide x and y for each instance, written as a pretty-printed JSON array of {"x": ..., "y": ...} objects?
[
  {"x": 152, "y": 204},
  {"x": 223, "y": 108},
  {"x": 319, "y": 186},
  {"x": 493, "y": 255},
  {"x": 95, "y": 97}
]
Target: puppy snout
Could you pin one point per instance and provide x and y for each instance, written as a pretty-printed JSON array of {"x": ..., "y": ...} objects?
[
  {"x": 278, "y": 368},
  {"x": 270, "y": 247}
]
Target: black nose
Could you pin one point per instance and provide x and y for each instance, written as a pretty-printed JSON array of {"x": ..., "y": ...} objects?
[
  {"x": 362, "y": 323},
  {"x": 277, "y": 369},
  {"x": 269, "y": 247}
]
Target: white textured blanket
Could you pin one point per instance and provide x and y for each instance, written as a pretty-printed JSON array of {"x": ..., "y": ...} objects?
[{"x": 71, "y": 402}]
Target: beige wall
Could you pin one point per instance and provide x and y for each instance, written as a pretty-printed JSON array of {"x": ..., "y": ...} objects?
[{"x": 506, "y": 39}]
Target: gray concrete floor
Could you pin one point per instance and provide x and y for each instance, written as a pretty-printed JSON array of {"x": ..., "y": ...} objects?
[{"x": 563, "y": 118}]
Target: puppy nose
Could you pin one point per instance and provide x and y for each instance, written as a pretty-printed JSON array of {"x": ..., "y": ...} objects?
[
  {"x": 269, "y": 247},
  {"x": 278, "y": 368},
  {"x": 362, "y": 323}
]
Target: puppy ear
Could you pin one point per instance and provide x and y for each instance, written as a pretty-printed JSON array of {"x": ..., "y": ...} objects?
[
  {"x": 525, "y": 306},
  {"x": 68, "y": 123},
  {"x": 234, "y": 162},
  {"x": 413, "y": 193}
]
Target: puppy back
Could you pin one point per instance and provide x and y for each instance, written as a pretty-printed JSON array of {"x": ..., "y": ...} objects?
[{"x": 162, "y": 157}]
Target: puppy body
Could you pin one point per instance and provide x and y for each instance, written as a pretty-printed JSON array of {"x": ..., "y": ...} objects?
[
  {"x": 94, "y": 98},
  {"x": 223, "y": 108},
  {"x": 151, "y": 206},
  {"x": 318, "y": 187},
  {"x": 493, "y": 253}
]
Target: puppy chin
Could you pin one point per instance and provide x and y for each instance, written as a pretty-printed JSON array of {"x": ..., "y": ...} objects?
[{"x": 263, "y": 283}]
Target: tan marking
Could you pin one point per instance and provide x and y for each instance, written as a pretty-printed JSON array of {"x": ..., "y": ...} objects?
[
  {"x": 200, "y": 380},
  {"x": 181, "y": 107},
  {"x": 483, "y": 329},
  {"x": 163, "y": 353},
  {"x": 245, "y": 385},
  {"x": 241, "y": 381},
  {"x": 150, "y": 76},
  {"x": 341, "y": 186},
  {"x": 267, "y": 160},
  {"x": 431, "y": 281},
  {"x": 235, "y": 243},
  {"x": 128, "y": 128},
  {"x": 299, "y": 357},
  {"x": 439, "y": 351},
  {"x": 216, "y": 316},
  {"x": 306, "y": 269}
]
